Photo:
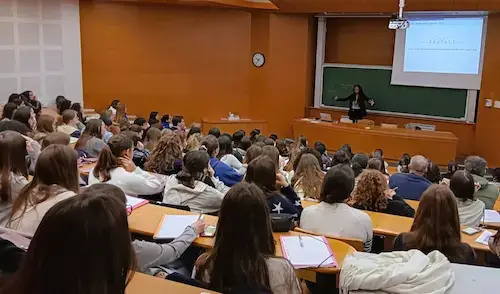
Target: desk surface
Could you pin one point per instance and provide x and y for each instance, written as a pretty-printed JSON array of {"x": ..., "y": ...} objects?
[
  {"x": 440, "y": 147},
  {"x": 142, "y": 283},
  {"x": 145, "y": 220},
  {"x": 393, "y": 225}
]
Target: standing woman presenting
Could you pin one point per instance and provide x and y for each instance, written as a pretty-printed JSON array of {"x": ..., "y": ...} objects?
[{"x": 357, "y": 107}]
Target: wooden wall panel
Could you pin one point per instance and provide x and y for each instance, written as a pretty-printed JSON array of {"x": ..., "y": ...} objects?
[
  {"x": 365, "y": 41},
  {"x": 488, "y": 119},
  {"x": 288, "y": 72},
  {"x": 190, "y": 61}
]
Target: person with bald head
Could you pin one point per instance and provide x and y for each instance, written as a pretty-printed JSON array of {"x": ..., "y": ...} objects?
[{"x": 413, "y": 184}]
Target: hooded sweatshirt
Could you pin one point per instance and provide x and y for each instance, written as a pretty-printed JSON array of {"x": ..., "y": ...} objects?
[
  {"x": 470, "y": 212},
  {"x": 487, "y": 193},
  {"x": 200, "y": 198}
]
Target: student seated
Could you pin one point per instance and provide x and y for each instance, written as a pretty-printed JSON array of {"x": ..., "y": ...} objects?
[
  {"x": 359, "y": 163},
  {"x": 470, "y": 209},
  {"x": 108, "y": 123},
  {"x": 226, "y": 155},
  {"x": 80, "y": 125},
  {"x": 165, "y": 121},
  {"x": 69, "y": 121},
  {"x": 141, "y": 122},
  {"x": 13, "y": 170},
  {"x": 252, "y": 153},
  {"x": 243, "y": 146},
  {"x": 115, "y": 167},
  {"x": 404, "y": 163},
  {"x": 34, "y": 147},
  {"x": 262, "y": 172},
  {"x": 140, "y": 154},
  {"x": 243, "y": 257},
  {"x": 223, "y": 172},
  {"x": 413, "y": 184},
  {"x": 494, "y": 244},
  {"x": 437, "y": 227},
  {"x": 44, "y": 125},
  {"x": 332, "y": 216},
  {"x": 62, "y": 104},
  {"x": 433, "y": 173},
  {"x": 91, "y": 141},
  {"x": 113, "y": 106},
  {"x": 152, "y": 138},
  {"x": 486, "y": 193},
  {"x": 194, "y": 185},
  {"x": 340, "y": 157},
  {"x": 95, "y": 227},
  {"x": 214, "y": 132},
  {"x": 26, "y": 116},
  {"x": 178, "y": 123},
  {"x": 166, "y": 159},
  {"x": 153, "y": 118},
  {"x": 152, "y": 257},
  {"x": 56, "y": 138},
  {"x": 373, "y": 194},
  {"x": 8, "y": 110},
  {"x": 321, "y": 148},
  {"x": 194, "y": 142},
  {"x": 56, "y": 179},
  {"x": 308, "y": 178},
  {"x": 121, "y": 116}
]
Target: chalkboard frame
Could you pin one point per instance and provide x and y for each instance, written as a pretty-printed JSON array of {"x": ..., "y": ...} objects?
[{"x": 470, "y": 107}]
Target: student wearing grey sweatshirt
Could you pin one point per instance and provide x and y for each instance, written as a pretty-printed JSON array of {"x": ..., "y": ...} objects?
[{"x": 470, "y": 209}]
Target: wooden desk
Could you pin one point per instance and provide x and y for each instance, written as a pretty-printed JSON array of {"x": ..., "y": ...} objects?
[
  {"x": 142, "y": 283},
  {"x": 86, "y": 167},
  {"x": 145, "y": 220},
  {"x": 440, "y": 147},
  {"x": 392, "y": 225},
  {"x": 231, "y": 126}
]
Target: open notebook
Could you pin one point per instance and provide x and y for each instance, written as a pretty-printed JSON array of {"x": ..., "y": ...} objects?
[
  {"x": 172, "y": 226},
  {"x": 135, "y": 202},
  {"x": 311, "y": 251}
]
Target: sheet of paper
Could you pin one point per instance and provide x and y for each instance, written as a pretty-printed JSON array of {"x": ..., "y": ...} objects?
[
  {"x": 136, "y": 202},
  {"x": 491, "y": 216},
  {"x": 72, "y": 140},
  {"x": 484, "y": 237},
  {"x": 312, "y": 253},
  {"x": 174, "y": 225}
]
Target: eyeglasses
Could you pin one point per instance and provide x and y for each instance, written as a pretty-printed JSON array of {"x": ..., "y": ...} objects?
[{"x": 129, "y": 209}]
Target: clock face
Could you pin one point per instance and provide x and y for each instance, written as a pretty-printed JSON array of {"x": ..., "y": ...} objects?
[{"x": 258, "y": 59}]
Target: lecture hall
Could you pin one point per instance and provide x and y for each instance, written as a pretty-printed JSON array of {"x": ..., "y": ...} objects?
[{"x": 249, "y": 146}]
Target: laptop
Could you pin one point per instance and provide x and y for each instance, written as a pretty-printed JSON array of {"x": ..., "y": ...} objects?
[{"x": 325, "y": 117}]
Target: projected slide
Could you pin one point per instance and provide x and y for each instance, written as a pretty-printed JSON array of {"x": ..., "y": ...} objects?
[{"x": 449, "y": 45}]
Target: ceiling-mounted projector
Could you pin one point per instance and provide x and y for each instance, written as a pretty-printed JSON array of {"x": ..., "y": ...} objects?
[{"x": 399, "y": 24}]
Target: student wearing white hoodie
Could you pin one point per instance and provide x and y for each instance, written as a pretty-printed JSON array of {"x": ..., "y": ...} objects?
[
  {"x": 115, "y": 167},
  {"x": 195, "y": 185},
  {"x": 470, "y": 210}
]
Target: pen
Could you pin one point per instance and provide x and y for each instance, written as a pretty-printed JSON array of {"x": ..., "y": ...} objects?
[
  {"x": 300, "y": 241},
  {"x": 200, "y": 215}
]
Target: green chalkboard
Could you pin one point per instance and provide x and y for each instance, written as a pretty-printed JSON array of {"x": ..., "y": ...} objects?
[{"x": 376, "y": 83}]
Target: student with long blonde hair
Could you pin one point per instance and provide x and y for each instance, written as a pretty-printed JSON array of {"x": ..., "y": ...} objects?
[{"x": 308, "y": 177}]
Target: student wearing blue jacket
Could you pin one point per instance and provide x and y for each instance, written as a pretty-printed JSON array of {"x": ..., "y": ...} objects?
[
  {"x": 223, "y": 172},
  {"x": 281, "y": 198}
]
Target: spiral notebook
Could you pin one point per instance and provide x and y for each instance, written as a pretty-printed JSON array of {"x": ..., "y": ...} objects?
[{"x": 308, "y": 251}]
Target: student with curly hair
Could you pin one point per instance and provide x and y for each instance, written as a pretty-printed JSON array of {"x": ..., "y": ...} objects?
[
  {"x": 373, "y": 194},
  {"x": 166, "y": 158}
]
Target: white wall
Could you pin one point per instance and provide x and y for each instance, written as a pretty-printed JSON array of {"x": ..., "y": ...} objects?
[{"x": 40, "y": 49}]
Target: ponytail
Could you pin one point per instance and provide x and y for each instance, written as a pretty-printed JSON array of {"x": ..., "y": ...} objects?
[
  {"x": 107, "y": 161},
  {"x": 186, "y": 178}
]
